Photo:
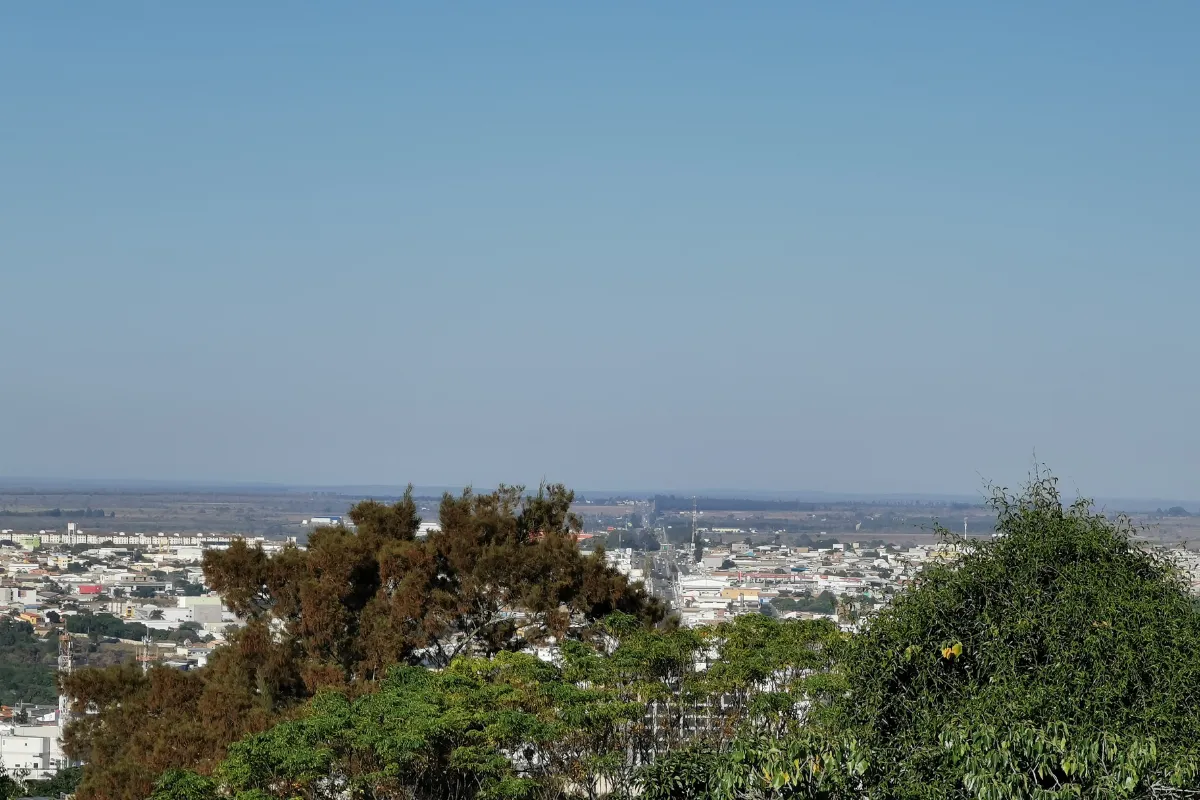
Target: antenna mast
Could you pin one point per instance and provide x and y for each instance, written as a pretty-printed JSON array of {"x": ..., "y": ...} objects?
[
  {"x": 696, "y": 551},
  {"x": 145, "y": 654},
  {"x": 65, "y": 663}
]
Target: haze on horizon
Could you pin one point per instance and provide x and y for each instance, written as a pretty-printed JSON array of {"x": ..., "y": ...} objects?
[{"x": 877, "y": 249}]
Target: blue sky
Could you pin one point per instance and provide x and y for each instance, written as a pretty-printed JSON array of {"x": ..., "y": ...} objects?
[{"x": 849, "y": 247}]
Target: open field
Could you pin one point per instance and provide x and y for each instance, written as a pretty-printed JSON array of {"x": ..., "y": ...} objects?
[
  {"x": 276, "y": 513},
  {"x": 280, "y": 512}
]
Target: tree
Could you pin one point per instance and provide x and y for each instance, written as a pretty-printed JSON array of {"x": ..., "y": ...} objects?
[
  {"x": 143, "y": 725},
  {"x": 504, "y": 571},
  {"x": 423, "y": 734},
  {"x": 188, "y": 589},
  {"x": 1058, "y": 659},
  {"x": 823, "y": 603},
  {"x": 63, "y": 783},
  {"x": 358, "y": 601},
  {"x": 26, "y": 664},
  {"x": 514, "y": 726},
  {"x": 12, "y": 784},
  {"x": 178, "y": 784}
]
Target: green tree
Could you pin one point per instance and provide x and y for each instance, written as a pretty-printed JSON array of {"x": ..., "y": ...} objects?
[
  {"x": 12, "y": 784},
  {"x": 505, "y": 571},
  {"x": 422, "y": 734},
  {"x": 63, "y": 783},
  {"x": 27, "y": 665},
  {"x": 1057, "y": 659},
  {"x": 178, "y": 784},
  {"x": 513, "y": 726}
]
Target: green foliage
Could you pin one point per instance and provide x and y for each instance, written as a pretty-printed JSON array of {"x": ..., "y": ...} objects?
[
  {"x": 823, "y": 603},
  {"x": 1054, "y": 761},
  {"x": 687, "y": 773},
  {"x": 63, "y": 783},
  {"x": 513, "y": 726},
  {"x": 503, "y": 572},
  {"x": 27, "y": 665},
  {"x": 423, "y": 734},
  {"x": 178, "y": 784},
  {"x": 103, "y": 625},
  {"x": 12, "y": 785},
  {"x": 1055, "y": 660},
  {"x": 1058, "y": 660},
  {"x": 801, "y": 765},
  {"x": 638, "y": 539}
]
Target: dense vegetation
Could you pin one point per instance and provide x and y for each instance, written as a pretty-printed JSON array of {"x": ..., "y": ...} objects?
[
  {"x": 823, "y": 603},
  {"x": 514, "y": 726},
  {"x": 638, "y": 539},
  {"x": 26, "y": 665},
  {"x": 1057, "y": 660},
  {"x": 108, "y": 626},
  {"x": 340, "y": 614},
  {"x": 87, "y": 513},
  {"x": 17, "y": 783}
]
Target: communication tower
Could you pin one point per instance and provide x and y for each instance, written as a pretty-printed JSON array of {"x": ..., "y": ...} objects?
[
  {"x": 145, "y": 654},
  {"x": 65, "y": 662}
]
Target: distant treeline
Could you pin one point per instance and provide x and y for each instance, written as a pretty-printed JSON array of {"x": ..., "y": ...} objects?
[
  {"x": 99, "y": 625},
  {"x": 666, "y": 503},
  {"x": 669, "y": 503},
  {"x": 57, "y": 512}
]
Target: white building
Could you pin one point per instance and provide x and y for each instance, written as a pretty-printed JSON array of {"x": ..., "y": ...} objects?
[
  {"x": 16, "y": 596},
  {"x": 32, "y": 749}
]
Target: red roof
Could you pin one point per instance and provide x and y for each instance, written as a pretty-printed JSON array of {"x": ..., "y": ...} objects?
[{"x": 89, "y": 588}]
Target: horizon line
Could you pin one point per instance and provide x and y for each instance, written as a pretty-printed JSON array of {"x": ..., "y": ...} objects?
[{"x": 394, "y": 490}]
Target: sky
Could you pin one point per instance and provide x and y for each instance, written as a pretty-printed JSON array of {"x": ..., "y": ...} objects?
[{"x": 848, "y": 247}]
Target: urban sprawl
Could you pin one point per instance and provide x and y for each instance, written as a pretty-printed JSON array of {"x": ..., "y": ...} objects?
[{"x": 114, "y": 597}]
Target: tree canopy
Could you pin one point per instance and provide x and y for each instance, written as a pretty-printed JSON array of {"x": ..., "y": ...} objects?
[
  {"x": 514, "y": 726},
  {"x": 26, "y": 664},
  {"x": 503, "y": 572},
  {"x": 1056, "y": 659},
  {"x": 1059, "y": 659}
]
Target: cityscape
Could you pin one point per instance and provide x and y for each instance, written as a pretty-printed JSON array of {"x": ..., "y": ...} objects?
[
  {"x": 622, "y": 401},
  {"x": 94, "y": 596}
]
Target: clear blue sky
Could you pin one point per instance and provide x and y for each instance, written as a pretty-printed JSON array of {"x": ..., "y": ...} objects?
[{"x": 877, "y": 247}]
